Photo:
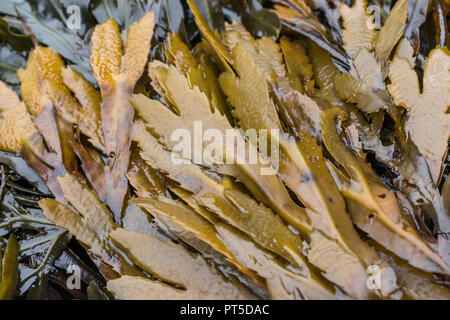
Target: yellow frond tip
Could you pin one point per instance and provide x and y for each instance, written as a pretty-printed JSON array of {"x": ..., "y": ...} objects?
[
  {"x": 138, "y": 47},
  {"x": 15, "y": 122},
  {"x": 106, "y": 52}
]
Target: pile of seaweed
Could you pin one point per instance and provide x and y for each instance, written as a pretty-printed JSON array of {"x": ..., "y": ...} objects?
[{"x": 348, "y": 196}]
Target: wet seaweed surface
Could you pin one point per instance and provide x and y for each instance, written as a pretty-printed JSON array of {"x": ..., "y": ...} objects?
[{"x": 349, "y": 196}]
